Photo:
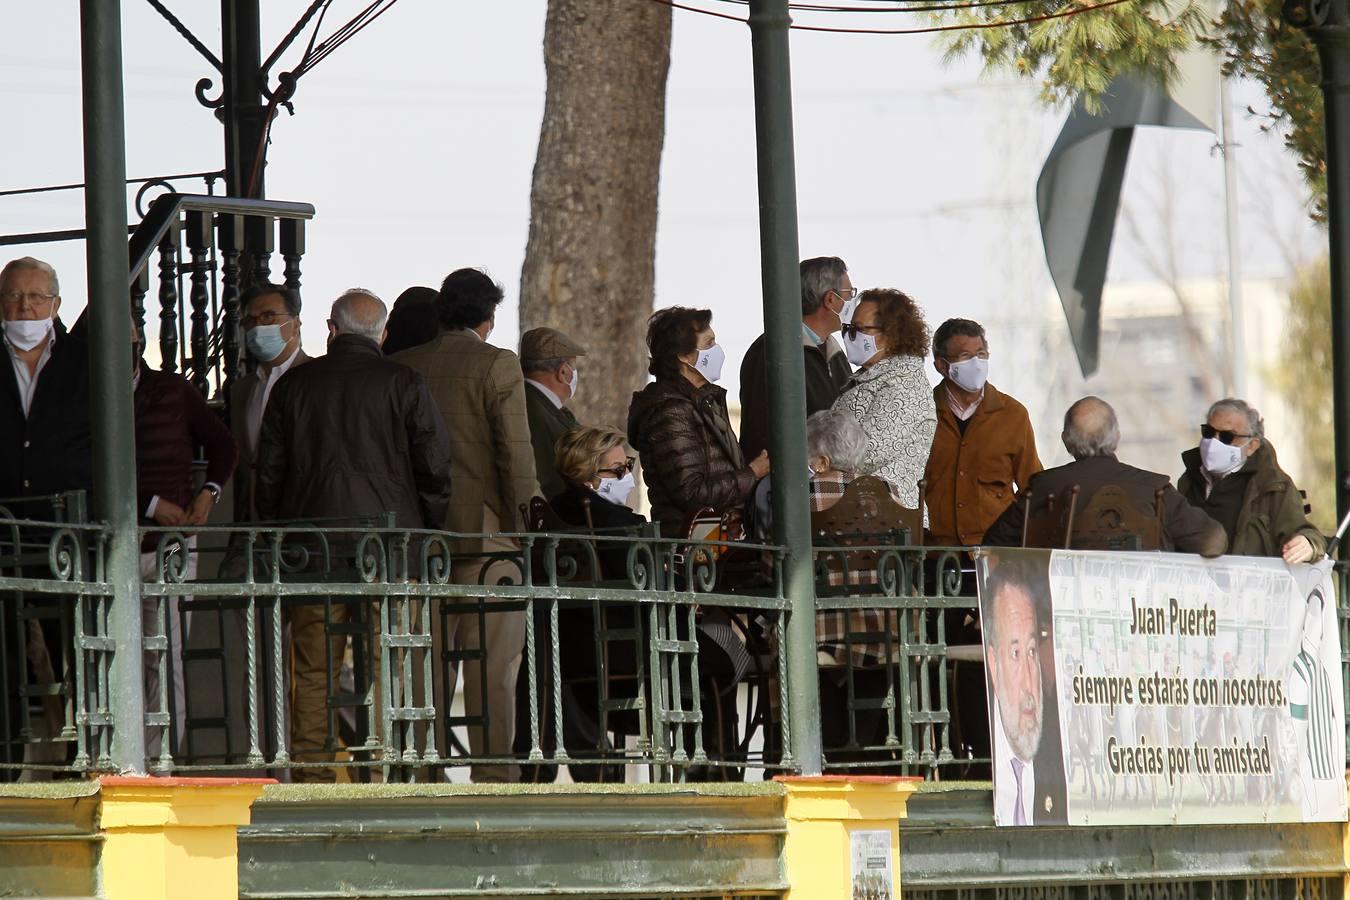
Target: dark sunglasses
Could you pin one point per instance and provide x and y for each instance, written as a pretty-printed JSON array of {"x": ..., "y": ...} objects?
[
  {"x": 620, "y": 469},
  {"x": 851, "y": 331},
  {"x": 1225, "y": 437}
]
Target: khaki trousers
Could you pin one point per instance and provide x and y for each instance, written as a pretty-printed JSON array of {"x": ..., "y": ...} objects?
[
  {"x": 504, "y": 633},
  {"x": 314, "y": 668}
]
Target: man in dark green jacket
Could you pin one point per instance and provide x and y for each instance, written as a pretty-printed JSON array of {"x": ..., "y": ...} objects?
[
  {"x": 1235, "y": 477},
  {"x": 549, "y": 360}
]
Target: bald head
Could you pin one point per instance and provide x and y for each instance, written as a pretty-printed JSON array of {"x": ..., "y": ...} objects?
[
  {"x": 1090, "y": 429},
  {"x": 359, "y": 311}
]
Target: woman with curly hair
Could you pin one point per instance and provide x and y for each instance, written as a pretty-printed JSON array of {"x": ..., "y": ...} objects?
[{"x": 890, "y": 395}]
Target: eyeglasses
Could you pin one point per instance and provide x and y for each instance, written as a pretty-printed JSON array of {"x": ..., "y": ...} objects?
[
  {"x": 31, "y": 298},
  {"x": 619, "y": 469},
  {"x": 846, "y": 293},
  {"x": 1225, "y": 437},
  {"x": 851, "y": 331},
  {"x": 983, "y": 354},
  {"x": 267, "y": 317}
]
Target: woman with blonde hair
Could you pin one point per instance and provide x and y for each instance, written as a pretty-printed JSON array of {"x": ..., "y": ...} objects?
[{"x": 598, "y": 472}]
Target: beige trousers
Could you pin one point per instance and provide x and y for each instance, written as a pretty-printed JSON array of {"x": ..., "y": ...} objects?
[{"x": 504, "y": 633}]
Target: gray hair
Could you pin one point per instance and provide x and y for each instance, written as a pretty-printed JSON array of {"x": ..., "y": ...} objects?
[
  {"x": 836, "y": 433},
  {"x": 820, "y": 276},
  {"x": 29, "y": 262},
  {"x": 349, "y": 318},
  {"x": 1256, "y": 426},
  {"x": 550, "y": 364},
  {"x": 1091, "y": 429}
]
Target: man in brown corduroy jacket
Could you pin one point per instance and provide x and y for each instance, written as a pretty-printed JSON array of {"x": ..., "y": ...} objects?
[
  {"x": 984, "y": 450},
  {"x": 480, "y": 392}
]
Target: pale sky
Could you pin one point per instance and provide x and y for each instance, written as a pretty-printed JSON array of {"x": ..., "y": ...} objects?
[{"x": 416, "y": 142}]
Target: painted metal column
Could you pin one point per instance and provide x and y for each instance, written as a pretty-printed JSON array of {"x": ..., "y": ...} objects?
[
  {"x": 787, "y": 379},
  {"x": 243, "y": 109},
  {"x": 105, "y": 213},
  {"x": 1328, "y": 24}
]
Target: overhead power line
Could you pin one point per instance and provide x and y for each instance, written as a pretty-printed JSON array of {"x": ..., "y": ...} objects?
[{"x": 999, "y": 23}]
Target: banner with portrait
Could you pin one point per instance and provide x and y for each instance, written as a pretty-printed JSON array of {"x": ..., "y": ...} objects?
[{"x": 1153, "y": 688}]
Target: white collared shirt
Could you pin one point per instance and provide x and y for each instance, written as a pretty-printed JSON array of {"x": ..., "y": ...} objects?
[
  {"x": 257, "y": 404},
  {"x": 28, "y": 382},
  {"x": 1005, "y": 780},
  {"x": 963, "y": 412},
  {"x": 547, "y": 392}
]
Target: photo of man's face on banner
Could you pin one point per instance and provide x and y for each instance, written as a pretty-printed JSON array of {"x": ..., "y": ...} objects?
[
  {"x": 1023, "y": 699},
  {"x": 1133, "y": 689}
]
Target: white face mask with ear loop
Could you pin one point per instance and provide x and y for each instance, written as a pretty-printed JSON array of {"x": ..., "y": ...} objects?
[
  {"x": 616, "y": 490},
  {"x": 25, "y": 334},
  {"x": 860, "y": 348},
  {"x": 1221, "y": 459},
  {"x": 709, "y": 363},
  {"x": 575, "y": 379}
]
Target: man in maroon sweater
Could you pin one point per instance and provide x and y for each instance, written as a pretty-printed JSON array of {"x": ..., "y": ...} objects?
[{"x": 172, "y": 423}]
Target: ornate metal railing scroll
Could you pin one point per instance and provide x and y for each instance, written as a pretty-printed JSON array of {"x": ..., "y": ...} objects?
[
  {"x": 884, "y": 609},
  {"x": 55, "y": 639}
]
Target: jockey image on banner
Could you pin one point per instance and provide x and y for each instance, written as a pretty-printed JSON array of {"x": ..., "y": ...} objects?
[{"x": 1312, "y": 709}]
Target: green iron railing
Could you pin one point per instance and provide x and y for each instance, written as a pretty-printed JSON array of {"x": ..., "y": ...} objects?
[{"x": 619, "y": 626}]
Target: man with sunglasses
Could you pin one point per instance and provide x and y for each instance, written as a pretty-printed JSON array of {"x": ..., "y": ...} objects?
[
  {"x": 1234, "y": 476},
  {"x": 827, "y": 294}
]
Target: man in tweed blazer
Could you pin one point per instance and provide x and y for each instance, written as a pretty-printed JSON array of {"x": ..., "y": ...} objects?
[{"x": 480, "y": 392}]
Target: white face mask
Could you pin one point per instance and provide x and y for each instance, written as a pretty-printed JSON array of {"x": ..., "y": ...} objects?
[
  {"x": 616, "y": 490},
  {"x": 709, "y": 362},
  {"x": 25, "y": 334},
  {"x": 573, "y": 386},
  {"x": 969, "y": 374},
  {"x": 860, "y": 348},
  {"x": 1219, "y": 458}
]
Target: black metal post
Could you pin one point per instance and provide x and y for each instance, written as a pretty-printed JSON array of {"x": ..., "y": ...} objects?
[
  {"x": 243, "y": 110},
  {"x": 105, "y": 212},
  {"x": 787, "y": 379},
  {"x": 1328, "y": 24}
]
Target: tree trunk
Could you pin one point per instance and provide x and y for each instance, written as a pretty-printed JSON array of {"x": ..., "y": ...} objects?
[{"x": 590, "y": 262}]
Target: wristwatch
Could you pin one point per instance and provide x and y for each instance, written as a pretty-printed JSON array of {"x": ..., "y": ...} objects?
[{"x": 213, "y": 490}]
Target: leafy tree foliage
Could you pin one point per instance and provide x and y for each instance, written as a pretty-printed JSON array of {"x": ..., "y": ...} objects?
[
  {"x": 1074, "y": 57},
  {"x": 1304, "y": 380}
]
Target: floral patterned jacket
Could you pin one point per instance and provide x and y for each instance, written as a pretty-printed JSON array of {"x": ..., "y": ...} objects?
[{"x": 893, "y": 402}]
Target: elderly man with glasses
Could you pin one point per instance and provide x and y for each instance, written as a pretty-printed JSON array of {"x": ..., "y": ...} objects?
[
  {"x": 44, "y": 442},
  {"x": 44, "y": 391},
  {"x": 1234, "y": 476},
  {"x": 827, "y": 294}
]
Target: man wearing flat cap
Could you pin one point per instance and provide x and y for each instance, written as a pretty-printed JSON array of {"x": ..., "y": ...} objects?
[{"x": 548, "y": 358}]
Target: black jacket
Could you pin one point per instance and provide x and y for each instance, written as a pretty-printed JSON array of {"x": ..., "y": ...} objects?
[
  {"x": 605, "y": 516},
  {"x": 352, "y": 434},
  {"x": 547, "y": 424},
  {"x": 50, "y": 450},
  {"x": 826, "y": 374},
  {"x": 1185, "y": 528},
  {"x": 690, "y": 457}
]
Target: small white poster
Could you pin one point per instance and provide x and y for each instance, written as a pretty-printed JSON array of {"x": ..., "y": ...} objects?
[{"x": 872, "y": 874}]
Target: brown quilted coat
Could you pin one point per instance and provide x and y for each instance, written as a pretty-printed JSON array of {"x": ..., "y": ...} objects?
[{"x": 690, "y": 456}]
